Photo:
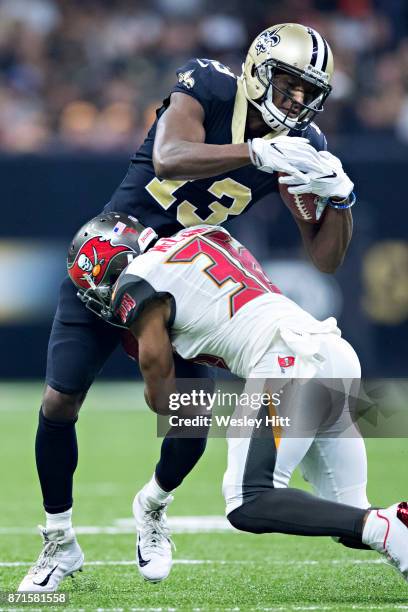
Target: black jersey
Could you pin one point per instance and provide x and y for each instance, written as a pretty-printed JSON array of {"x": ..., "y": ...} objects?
[{"x": 170, "y": 205}]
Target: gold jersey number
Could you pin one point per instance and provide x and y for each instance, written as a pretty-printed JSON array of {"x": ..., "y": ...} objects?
[{"x": 164, "y": 192}]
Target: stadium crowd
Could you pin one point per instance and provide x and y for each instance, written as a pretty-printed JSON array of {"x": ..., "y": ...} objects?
[{"x": 89, "y": 75}]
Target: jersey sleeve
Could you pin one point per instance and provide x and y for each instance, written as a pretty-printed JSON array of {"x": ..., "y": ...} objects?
[
  {"x": 132, "y": 295},
  {"x": 208, "y": 81},
  {"x": 316, "y": 137}
]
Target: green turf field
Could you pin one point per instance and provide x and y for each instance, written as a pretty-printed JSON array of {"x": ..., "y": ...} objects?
[{"x": 219, "y": 570}]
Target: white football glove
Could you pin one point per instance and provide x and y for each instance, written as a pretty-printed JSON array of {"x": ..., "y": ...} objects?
[
  {"x": 292, "y": 155},
  {"x": 330, "y": 181}
]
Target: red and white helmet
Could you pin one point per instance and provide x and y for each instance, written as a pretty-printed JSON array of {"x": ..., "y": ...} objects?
[{"x": 100, "y": 251}]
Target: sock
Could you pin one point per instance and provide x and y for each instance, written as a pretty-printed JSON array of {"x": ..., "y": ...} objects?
[
  {"x": 152, "y": 495},
  {"x": 60, "y": 520},
  {"x": 56, "y": 454},
  {"x": 375, "y": 530},
  {"x": 177, "y": 458}
]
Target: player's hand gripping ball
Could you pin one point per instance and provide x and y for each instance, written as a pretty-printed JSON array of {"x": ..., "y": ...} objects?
[{"x": 306, "y": 206}]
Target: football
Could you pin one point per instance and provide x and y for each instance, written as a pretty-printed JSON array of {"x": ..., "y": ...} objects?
[{"x": 302, "y": 206}]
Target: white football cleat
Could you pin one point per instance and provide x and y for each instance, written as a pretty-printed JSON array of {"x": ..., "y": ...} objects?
[
  {"x": 386, "y": 531},
  {"x": 153, "y": 543},
  {"x": 61, "y": 556}
]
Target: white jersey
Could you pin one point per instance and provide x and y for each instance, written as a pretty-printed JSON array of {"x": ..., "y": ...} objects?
[{"x": 225, "y": 310}]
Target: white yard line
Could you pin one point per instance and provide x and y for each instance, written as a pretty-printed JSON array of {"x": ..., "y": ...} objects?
[
  {"x": 120, "y": 562},
  {"x": 187, "y": 524},
  {"x": 290, "y": 608},
  {"x": 177, "y": 524}
]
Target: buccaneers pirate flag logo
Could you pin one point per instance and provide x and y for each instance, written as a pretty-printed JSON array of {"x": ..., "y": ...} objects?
[{"x": 92, "y": 261}]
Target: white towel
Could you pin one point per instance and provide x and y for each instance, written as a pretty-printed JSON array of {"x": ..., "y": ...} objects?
[{"x": 305, "y": 343}]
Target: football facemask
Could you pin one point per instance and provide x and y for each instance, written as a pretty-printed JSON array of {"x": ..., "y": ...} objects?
[
  {"x": 298, "y": 114},
  {"x": 99, "y": 253},
  {"x": 294, "y": 50}
]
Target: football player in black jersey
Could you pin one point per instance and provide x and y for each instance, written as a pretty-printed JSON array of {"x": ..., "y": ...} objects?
[{"x": 214, "y": 150}]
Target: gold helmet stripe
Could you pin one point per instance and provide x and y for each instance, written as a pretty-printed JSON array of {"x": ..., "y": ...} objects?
[{"x": 320, "y": 50}]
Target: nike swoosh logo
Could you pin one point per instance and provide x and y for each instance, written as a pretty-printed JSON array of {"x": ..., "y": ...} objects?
[
  {"x": 142, "y": 562},
  {"x": 47, "y": 578},
  {"x": 332, "y": 175},
  {"x": 277, "y": 148},
  {"x": 202, "y": 64}
]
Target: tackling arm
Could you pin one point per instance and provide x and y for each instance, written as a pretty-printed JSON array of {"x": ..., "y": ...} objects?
[
  {"x": 327, "y": 243},
  {"x": 156, "y": 356}
]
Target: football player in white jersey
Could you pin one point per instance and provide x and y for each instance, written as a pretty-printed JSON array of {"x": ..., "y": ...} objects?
[{"x": 202, "y": 295}]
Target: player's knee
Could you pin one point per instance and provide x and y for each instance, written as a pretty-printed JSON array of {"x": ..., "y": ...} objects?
[
  {"x": 241, "y": 520},
  {"x": 58, "y": 406},
  {"x": 236, "y": 519}
]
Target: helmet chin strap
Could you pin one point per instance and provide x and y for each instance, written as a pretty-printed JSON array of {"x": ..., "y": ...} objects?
[{"x": 275, "y": 124}]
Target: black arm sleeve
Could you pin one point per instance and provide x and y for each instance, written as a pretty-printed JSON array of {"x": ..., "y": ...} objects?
[{"x": 132, "y": 295}]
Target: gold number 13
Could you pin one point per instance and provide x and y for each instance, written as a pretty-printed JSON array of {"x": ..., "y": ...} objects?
[{"x": 163, "y": 191}]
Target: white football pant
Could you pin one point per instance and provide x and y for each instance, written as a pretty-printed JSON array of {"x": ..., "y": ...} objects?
[{"x": 332, "y": 457}]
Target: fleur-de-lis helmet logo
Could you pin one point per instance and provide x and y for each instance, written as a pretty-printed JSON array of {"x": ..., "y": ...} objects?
[{"x": 266, "y": 40}]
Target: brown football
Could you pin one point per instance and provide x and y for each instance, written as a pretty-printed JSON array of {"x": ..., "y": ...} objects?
[{"x": 301, "y": 206}]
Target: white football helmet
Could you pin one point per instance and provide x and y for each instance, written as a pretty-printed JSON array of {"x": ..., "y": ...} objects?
[{"x": 293, "y": 49}]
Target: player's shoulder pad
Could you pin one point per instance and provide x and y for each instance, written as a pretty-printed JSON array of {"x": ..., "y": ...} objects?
[
  {"x": 132, "y": 294},
  {"x": 207, "y": 81},
  {"x": 315, "y": 136}
]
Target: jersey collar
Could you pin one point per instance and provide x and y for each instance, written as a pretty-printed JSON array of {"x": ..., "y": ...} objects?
[{"x": 239, "y": 114}]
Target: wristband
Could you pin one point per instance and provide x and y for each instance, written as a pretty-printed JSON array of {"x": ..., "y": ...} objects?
[{"x": 348, "y": 203}]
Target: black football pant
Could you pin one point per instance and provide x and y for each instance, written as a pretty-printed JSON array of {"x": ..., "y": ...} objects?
[
  {"x": 296, "y": 512},
  {"x": 79, "y": 346}
]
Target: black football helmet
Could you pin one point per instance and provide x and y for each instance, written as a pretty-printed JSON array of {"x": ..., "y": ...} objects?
[{"x": 99, "y": 252}]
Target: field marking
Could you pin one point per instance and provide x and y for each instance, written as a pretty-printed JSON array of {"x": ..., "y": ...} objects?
[
  {"x": 293, "y": 608},
  {"x": 102, "y": 397},
  {"x": 187, "y": 524},
  {"x": 177, "y": 524},
  {"x": 303, "y": 563}
]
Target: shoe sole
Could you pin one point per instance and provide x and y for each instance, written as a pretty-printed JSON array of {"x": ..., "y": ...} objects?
[
  {"x": 391, "y": 563},
  {"x": 154, "y": 580},
  {"x": 76, "y": 569},
  {"x": 72, "y": 574}
]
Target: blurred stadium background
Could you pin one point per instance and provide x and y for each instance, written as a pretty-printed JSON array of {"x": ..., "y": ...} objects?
[{"x": 79, "y": 83}]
